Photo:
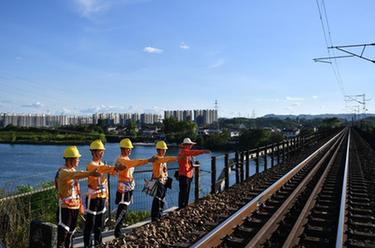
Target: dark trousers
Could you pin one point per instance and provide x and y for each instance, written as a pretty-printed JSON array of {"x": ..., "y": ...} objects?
[
  {"x": 158, "y": 202},
  {"x": 94, "y": 222},
  {"x": 122, "y": 211},
  {"x": 183, "y": 196},
  {"x": 69, "y": 219}
]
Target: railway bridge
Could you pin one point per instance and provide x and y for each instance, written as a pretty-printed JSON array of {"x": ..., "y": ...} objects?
[{"x": 321, "y": 195}]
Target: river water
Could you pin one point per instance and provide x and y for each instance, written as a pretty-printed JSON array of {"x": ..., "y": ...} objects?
[{"x": 35, "y": 164}]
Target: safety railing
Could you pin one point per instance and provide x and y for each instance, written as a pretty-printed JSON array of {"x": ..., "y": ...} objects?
[{"x": 214, "y": 175}]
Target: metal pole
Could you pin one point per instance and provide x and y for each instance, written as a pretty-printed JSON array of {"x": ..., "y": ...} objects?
[
  {"x": 247, "y": 164},
  {"x": 278, "y": 152},
  {"x": 265, "y": 158},
  {"x": 226, "y": 171},
  {"x": 237, "y": 165},
  {"x": 242, "y": 166},
  {"x": 257, "y": 161},
  {"x": 213, "y": 175},
  {"x": 197, "y": 183},
  {"x": 109, "y": 197},
  {"x": 272, "y": 154},
  {"x": 284, "y": 151}
]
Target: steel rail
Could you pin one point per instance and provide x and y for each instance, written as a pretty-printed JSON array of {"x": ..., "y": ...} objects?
[
  {"x": 341, "y": 228},
  {"x": 271, "y": 225},
  {"x": 213, "y": 238},
  {"x": 297, "y": 229}
]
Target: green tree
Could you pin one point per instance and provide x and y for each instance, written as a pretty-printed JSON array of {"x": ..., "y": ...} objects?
[
  {"x": 131, "y": 129},
  {"x": 252, "y": 138},
  {"x": 176, "y": 131},
  {"x": 331, "y": 123}
]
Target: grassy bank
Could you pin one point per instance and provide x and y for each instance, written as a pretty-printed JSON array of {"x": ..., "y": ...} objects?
[{"x": 47, "y": 137}]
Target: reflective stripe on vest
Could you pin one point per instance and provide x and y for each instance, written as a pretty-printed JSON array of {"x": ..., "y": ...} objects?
[{"x": 94, "y": 192}]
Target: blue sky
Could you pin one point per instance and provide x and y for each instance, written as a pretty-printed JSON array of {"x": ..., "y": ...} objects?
[{"x": 86, "y": 56}]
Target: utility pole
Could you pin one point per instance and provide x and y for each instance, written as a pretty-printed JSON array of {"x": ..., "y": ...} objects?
[
  {"x": 350, "y": 54},
  {"x": 360, "y": 100}
]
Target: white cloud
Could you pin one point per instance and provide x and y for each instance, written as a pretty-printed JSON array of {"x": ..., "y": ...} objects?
[
  {"x": 33, "y": 105},
  {"x": 314, "y": 97},
  {"x": 267, "y": 99},
  {"x": 296, "y": 104},
  {"x": 218, "y": 63},
  {"x": 19, "y": 58},
  {"x": 89, "y": 7},
  {"x": 185, "y": 46},
  {"x": 289, "y": 98},
  {"x": 152, "y": 50}
]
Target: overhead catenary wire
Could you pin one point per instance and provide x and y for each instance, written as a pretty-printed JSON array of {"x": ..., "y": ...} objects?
[{"x": 328, "y": 41}]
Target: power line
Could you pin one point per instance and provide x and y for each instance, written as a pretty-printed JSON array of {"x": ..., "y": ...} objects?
[{"x": 328, "y": 42}]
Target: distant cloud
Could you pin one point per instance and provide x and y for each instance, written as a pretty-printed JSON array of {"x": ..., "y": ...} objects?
[
  {"x": 33, "y": 105},
  {"x": 296, "y": 104},
  {"x": 154, "y": 110},
  {"x": 89, "y": 7},
  {"x": 19, "y": 58},
  {"x": 118, "y": 109},
  {"x": 289, "y": 98},
  {"x": 152, "y": 50},
  {"x": 218, "y": 63},
  {"x": 261, "y": 99},
  {"x": 184, "y": 46},
  {"x": 98, "y": 109},
  {"x": 314, "y": 97}
]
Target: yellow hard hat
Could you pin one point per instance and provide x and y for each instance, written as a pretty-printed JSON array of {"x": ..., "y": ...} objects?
[
  {"x": 126, "y": 143},
  {"x": 97, "y": 145},
  {"x": 71, "y": 152},
  {"x": 161, "y": 145}
]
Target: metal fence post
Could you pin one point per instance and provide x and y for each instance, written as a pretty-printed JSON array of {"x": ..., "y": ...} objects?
[
  {"x": 213, "y": 175},
  {"x": 265, "y": 158},
  {"x": 226, "y": 171},
  {"x": 298, "y": 145},
  {"x": 237, "y": 165},
  {"x": 257, "y": 161},
  {"x": 247, "y": 164},
  {"x": 197, "y": 183},
  {"x": 272, "y": 154},
  {"x": 242, "y": 166},
  {"x": 278, "y": 153},
  {"x": 109, "y": 197},
  {"x": 284, "y": 151}
]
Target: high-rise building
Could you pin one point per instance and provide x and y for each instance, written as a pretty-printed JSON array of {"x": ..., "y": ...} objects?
[
  {"x": 180, "y": 115},
  {"x": 205, "y": 117},
  {"x": 201, "y": 117}
]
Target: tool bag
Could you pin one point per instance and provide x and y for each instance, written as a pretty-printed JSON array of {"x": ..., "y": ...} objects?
[{"x": 151, "y": 187}]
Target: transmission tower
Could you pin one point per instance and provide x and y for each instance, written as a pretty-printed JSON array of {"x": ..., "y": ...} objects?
[{"x": 360, "y": 100}]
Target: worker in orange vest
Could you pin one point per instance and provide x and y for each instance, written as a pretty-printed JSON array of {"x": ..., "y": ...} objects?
[
  {"x": 126, "y": 183},
  {"x": 185, "y": 170},
  {"x": 160, "y": 173},
  {"x": 70, "y": 203},
  {"x": 97, "y": 194}
]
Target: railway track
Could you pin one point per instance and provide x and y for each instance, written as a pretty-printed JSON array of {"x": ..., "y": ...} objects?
[{"x": 322, "y": 202}]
